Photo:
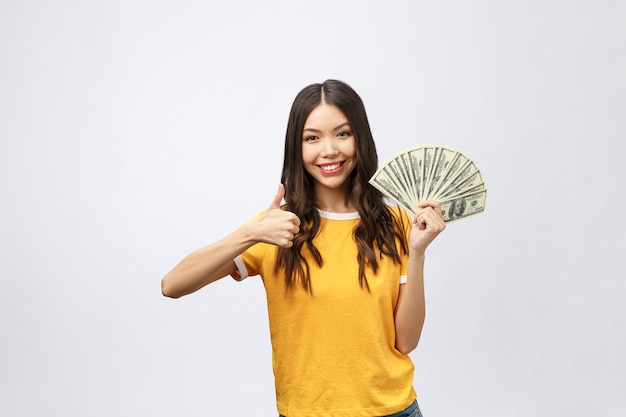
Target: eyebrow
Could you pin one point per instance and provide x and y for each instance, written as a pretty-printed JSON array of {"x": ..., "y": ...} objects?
[{"x": 310, "y": 129}]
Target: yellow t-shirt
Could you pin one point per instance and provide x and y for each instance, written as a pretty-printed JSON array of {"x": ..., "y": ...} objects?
[{"x": 334, "y": 350}]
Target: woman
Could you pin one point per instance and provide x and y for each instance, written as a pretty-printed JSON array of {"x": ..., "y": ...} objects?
[{"x": 343, "y": 272}]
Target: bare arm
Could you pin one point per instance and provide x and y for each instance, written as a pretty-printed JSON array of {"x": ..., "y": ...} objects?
[
  {"x": 207, "y": 264},
  {"x": 215, "y": 261},
  {"x": 411, "y": 308}
]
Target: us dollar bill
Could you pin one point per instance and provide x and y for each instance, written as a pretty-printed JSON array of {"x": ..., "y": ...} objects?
[
  {"x": 444, "y": 157},
  {"x": 432, "y": 172},
  {"x": 458, "y": 163},
  {"x": 463, "y": 206},
  {"x": 469, "y": 178},
  {"x": 386, "y": 184}
]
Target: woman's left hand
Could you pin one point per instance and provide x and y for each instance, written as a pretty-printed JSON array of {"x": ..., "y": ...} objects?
[{"x": 427, "y": 224}]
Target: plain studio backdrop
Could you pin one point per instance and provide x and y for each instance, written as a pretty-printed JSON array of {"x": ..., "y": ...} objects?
[{"x": 134, "y": 132}]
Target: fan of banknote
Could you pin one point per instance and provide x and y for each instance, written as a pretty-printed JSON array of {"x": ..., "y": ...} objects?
[{"x": 431, "y": 172}]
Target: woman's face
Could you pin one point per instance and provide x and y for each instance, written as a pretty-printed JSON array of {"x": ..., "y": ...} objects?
[{"x": 328, "y": 147}]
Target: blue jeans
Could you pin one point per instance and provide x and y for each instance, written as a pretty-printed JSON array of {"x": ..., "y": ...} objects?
[{"x": 411, "y": 411}]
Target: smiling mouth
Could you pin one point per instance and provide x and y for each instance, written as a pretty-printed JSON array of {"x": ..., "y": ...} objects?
[{"x": 330, "y": 167}]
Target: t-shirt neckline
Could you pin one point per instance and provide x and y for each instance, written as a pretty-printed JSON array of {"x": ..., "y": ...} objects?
[{"x": 339, "y": 216}]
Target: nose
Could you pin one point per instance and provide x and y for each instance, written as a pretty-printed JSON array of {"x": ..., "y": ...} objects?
[{"x": 329, "y": 148}]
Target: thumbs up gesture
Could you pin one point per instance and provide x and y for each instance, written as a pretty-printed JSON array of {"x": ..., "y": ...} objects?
[{"x": 278, "y": 226}]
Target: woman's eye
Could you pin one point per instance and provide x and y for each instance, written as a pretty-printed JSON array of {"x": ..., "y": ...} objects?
[
  {"x": 309, "y": 138},
  {"x": 344, "y": 134}
]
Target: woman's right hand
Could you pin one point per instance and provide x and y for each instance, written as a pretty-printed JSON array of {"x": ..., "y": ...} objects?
[{"x": 277, "y": 226}]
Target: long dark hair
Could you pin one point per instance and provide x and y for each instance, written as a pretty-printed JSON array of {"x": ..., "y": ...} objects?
[{"x": 379, "y": 227}]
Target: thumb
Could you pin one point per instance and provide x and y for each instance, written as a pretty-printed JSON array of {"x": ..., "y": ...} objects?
[{"x": 278, "y": 197}]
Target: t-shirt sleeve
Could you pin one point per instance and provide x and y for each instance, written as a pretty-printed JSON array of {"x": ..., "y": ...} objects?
[
  {"x": 251, "y": 262},
  {"x": 241, "y": 272},
  {"x": 248, "y": 263}
]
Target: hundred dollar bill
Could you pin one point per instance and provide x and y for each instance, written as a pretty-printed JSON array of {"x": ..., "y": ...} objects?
[
  {"x": 432, "y": 172},
  {"x": 400, "y": 176},
  {"x": 457, "y": 163},
  {"x": 472, "y": 190},
  {"x": 415, "y": 165},
  {"x": 466, "y": 180},
  {"x": 429, "y": 156},
  {"x": 443, "y": 159},
  {"x": 452, "y": 183},
  {"x": 402, "y": 171},
  {"x": 463, "y": 206},
  {"x": 385, "y": 184},
  {"x": 393, "y": 175}
]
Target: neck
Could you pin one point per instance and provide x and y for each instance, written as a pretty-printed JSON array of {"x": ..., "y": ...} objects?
[{"x": 334, "y": 200}]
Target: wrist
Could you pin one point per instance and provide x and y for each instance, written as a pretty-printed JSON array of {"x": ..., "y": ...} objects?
[
  {"x": 417, "y": 253},
  {"x": 247, "y": 235},
  {"x": 417, "y": 259}
]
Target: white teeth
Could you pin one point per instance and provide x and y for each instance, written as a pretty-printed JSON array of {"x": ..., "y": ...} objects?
[{"x": 330, "y": 167}]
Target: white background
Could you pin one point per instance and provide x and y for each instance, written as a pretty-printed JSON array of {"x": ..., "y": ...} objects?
[{"x": 133, "y": 132}]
